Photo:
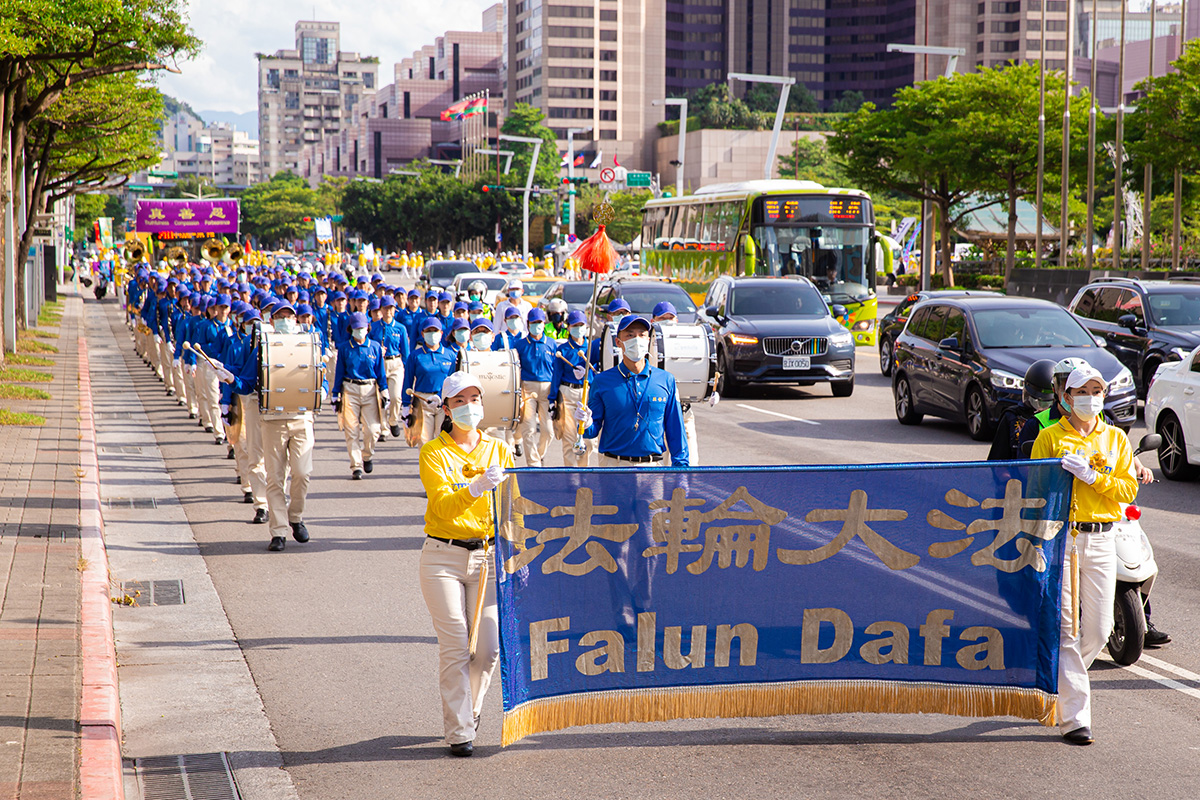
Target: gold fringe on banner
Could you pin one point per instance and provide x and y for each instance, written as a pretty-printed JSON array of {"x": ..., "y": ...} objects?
[{"x": 775, "y": 699}]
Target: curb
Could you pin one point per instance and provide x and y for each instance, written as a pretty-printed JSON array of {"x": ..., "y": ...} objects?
[{"x": 101, "y": 773}]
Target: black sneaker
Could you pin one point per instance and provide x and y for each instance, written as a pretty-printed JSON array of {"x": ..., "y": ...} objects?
[
  {"x": 462, "y": 749},
  {"x": 382, "y": 437},
  {"x": 277, "y": 544},
  {"x": 248, "y": 497},
  {"x": 260, "y": 517},
  {"x": 231, "y": 455},
  {"x": 368, "y": 466},
  {"x": 395, "y": 429},
  {"x": 517, "y": 450},
  {"x": 209, "y": 429},
  {"x": 356, "y": 475},
  {"x": 1155, "y": 637},
  {"x": 191, "y": 415},
  {"x": 299, "y": 532}
]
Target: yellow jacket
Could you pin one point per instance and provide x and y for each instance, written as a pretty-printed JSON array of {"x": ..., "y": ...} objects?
[
  {"x": 1107, "y": 449},
  {"x": 452, "y": 513}
]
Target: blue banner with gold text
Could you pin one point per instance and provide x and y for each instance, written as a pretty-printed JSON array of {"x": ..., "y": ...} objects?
[{"x": 639, "y": 595}]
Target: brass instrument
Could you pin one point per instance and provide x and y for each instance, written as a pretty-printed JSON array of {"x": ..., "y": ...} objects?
[
  {"x": 212, "y": 250},
  {"x": 234, "y": 254},
  {"x": 135, "y": 252},
  {"x": 177, "y": 255}
]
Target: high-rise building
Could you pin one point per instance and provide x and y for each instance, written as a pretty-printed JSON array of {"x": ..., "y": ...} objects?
[{"x": 313, "y": 91}]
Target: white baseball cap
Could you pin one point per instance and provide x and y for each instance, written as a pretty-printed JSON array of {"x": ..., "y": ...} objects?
[
  {"x": 1080, "y": 376},
  {"x": 456, "y": 382}
]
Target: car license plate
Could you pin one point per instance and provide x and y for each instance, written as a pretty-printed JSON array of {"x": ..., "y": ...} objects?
[{"x": 797, "y": 362}]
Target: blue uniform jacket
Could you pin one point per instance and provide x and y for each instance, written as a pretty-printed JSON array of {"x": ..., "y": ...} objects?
[
  {"x": 637, "y": 414},
  {"x": 166, "y": 309},
  {"x": 564, "y": 373},
  {"x": 537, "y": 358},
  {"x": 215, "y": 339},
  {"x": 506, "y": 341},
  {"x": 360, "y": 362},
  {"x": 321, "y": 323},
  {"x": 393, "y": 336},
  {"x": 426, "y": 370},
  {"x": 150, "y": 312}
]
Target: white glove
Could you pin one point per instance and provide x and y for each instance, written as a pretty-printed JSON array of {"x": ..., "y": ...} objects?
[
  {"x": 216, "y": 364},
  {"x": 490, "y": 479},
  {"x": 324, "y": 395},
  {"x": 713, "y": 399},
  {"x": 1078, "y": 466},
  {"x": 175, "y": 363},
  {"x": 580, "y": 371},
  {"x": 406, "y": 411},
  {"x": 583, "y": 414},
  {"x": 157, "y": 339},
  {"x": 224, "y": 375},
  {"x": 192, "y": 370},
  {"x": 432, "y": 402},
  {"x": 224, "y": 409}
]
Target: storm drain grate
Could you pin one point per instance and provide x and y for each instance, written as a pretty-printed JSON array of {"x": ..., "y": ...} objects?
[
  {"x": 154, "y": 593},
  {"x": 202, "y": 776},
  {"x": 131, "y": 502},
  {"x": 125, "y": 450}
]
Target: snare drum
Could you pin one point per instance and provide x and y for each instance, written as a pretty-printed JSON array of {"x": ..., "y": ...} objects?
[
  {"x": 499, "y": 372},
  {"x": 610, "y": 351},
  {"x": 689, "y": 353},
  {"x": 290, "y": 371}
]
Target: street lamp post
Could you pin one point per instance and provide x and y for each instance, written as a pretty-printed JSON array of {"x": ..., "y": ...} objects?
[
  {"x": 536, "y": 141},
  {"x": 571, "y": 174},
  {"x": 1177, "y": 223},
  {"x": 1148, "y": 174},
  {"x": 683, "y": 108},
  {"x": 1041, "y": 158},
  {"x": 1064, "y": 220},
  {"x": 1090, "y": 244},
  {"x": 1118, "y": 189},
  {"x": 785, "y": 85}
]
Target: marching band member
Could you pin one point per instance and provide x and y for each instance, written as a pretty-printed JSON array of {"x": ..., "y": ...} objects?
[
  {"x": 537, "y": 372},
  {"x": 392, "y": 336},
  {"x": 241, "y": 387},
  {"x": 458, "y": 527},
  {"x": 427, "y": 367},
  {"x": 1098, "y": 455},
  {"x": 664, "y": 313},
  {"x": 359, "y": 390},
  {"x": 566, "y": 394},
  {"x": 512, "y": 331},
  {"x": 633, "y": 408},
  {"x": 616, "y": 311}
]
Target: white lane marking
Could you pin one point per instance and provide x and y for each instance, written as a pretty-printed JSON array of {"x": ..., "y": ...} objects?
[
  {"x": 777, "y": 414},
  {"x": 1167, "y": 682},
  {"x": 1187, "y": 675}
]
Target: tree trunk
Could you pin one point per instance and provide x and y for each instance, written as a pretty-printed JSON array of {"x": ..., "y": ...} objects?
[
  {"x": 943, "y": 206},
  {"x": 1010, "y": 258}
]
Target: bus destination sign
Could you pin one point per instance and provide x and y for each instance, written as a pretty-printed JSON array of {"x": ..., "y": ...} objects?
[{"x": 813, "y": 209}]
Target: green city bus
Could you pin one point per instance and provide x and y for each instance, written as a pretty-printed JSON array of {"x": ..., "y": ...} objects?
[{"x": 777, "y": 227}]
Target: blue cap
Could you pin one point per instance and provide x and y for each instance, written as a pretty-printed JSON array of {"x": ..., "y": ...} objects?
[
  {"x": 476, "y": 306},
  {"x": 537, "y": 315},
  {"x": 236, "y": 306},
  {"x": 184, "y": 293},
  {"x": 376, "y": 278},
  {"x": 303, "y": 296},
  {"x": 337, "y": 296},
  {"x": 663, "y": 308},
  {"x": 222, "y": 299},
  {"x": 243, "y": 287},
  {"x": 576, "y": 318},
  {"x": 318, "y": 290},
  {"x": 460, "y": 325},
  {"x": 302, "y": 309},
  {"x": 482, "y": 322},
  {"x": 432, "y": 293},
  {"x": 511, "y": 312},
  {"x": 445, "y": 297},
  {"x": 430, "y": 323},
  {"x": 358, "y": 294},
  {"x": 461, "y": 306},
  {"x": 281, "y": 307},
  {"x": 414, "y": 293},
  {"x": 358, "y": 320},
  {"x": 270, "y": 305},
  {"x": 252, "y": 315},
  {"x": 632, "y": 319},
  {"x": 387, "y": 302},
  {"x": 373, "y": 304},
  {"x": 618, "y": 305}
]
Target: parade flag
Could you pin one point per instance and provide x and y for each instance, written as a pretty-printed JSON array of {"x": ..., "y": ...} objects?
[
  {"x": 465, "y": 108},
  {"x": 579, "y": 160},
  {"x": 564, "y": 161},
  {"x": 596, "y": 161},
  {"x": 615, "y": 162},
  {"x": 633, "y": 595}
]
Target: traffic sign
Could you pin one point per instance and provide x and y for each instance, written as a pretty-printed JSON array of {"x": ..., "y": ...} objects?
[
  {"x": 638, "y": 179},
  {"x": 572, "y": 238},
  {"x": 607, "y": 175}
]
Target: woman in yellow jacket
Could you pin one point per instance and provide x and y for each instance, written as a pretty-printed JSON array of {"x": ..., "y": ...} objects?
[
  {"x": 1100, "y": 458},
  {"x": 459, "y": 529}
]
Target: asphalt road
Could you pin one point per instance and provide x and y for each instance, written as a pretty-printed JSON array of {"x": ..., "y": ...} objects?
[{"x": 341, "y": 648}]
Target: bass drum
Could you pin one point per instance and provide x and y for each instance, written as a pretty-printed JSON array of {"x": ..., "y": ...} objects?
[
  {"x": 689, "y": 353},
  {"x": 499, "y": 372},
  {"x": 610, "y": 351},
  {"x": 290, "y": 372}
]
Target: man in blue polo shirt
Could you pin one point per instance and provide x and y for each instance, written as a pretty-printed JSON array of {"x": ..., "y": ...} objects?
[
  {"x": 570, "y": 370},
  {"x": 392, "y": 335},
  {"x": 361, "y": 385},
  {"x": 428, "y": 365},
  {"x": 633, "y": 408},
  {"x": 536, "y": 351}
]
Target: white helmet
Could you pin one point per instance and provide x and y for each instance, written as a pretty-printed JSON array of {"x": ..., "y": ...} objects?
[{"x": 557, "y": 306}]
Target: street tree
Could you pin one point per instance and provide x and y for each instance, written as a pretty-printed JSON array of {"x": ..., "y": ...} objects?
[
  {"x": 765, "y": 97},
  {"x": 527, "y": 120}
]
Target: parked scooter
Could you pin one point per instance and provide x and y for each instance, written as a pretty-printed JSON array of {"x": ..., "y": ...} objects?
[{"x": 1136, "y": 570}]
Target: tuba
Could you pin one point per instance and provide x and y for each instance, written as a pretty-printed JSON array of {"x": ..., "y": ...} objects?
[
  {"x": 177, "y": 255},
  {"x": 135, "y": 252},
  {"x": 212, "y": 250},
  {"x": 234, "y": 254}
]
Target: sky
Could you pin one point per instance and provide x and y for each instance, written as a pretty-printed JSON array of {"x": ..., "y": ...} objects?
[{"x": 224, "y": 77}]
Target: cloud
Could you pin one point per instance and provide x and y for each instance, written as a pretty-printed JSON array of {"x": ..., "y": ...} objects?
[{"x": 225, "y": 76}]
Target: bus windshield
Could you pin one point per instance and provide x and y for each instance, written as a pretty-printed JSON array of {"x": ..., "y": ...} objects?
[{"x": 834, "y": 257}]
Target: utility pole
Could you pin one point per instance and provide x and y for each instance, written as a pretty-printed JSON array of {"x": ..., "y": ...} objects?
[
  {"x": 1041, "y": 158},
  {"x": 1091, "y": 170},
  {"x": 1149, "y": 171},
  {"x": 1064, "y": 232},
  {"x": 1119, "y": 192},
  {"x": 571, "y": 174}
]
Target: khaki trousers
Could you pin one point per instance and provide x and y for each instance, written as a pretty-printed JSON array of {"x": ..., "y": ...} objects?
[
  {"x": 394, "y": 368},
  {"x": 360, "y": 413},
  {"x": 429, "y": 417},
  {"x": 154, "y": 353},
  {"x": 689, "y": 428},
  {"x": 181, "y": 383},
  {"x": 166, "y": 355},
  {"x": 569, "y": 398},
  {"x": 189, "y": 382},
  {"x": 252, "y": 438},
  {"x": 210, "y": 393},
  {"x": 450, "y": 585},
  {"x": 1097, "y": 589},
  {"x": 537, "y": 411},
  {"x": 287, "y": 453},
  {"x": 241, "y": 455}
]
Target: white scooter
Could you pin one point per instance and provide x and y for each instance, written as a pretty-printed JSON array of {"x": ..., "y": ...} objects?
[{"x": 1136, "y": 570}]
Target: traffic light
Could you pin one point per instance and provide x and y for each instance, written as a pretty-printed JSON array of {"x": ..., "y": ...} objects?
[
  {"x": 579, "y": 179},
  {"x": 490, "y": 187},
  {"x": 566, "y": 213}
]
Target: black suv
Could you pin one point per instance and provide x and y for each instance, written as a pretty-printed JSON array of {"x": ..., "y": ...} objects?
[
  {"x": 777, "y": 330},
  {"x": 1145, "y": 323},
  {"x": 893, "y": 322}
]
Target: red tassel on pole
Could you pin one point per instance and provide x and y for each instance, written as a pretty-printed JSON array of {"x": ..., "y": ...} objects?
[{"x": 596, "y": 253}]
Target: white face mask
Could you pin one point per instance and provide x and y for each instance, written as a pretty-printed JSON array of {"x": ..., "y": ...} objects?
[
  {"x": 481, "y": 341},
  {"x": 577, "y": 332},
  {"x": 460, "y": 336},
  {"x": 432, "y": 338},
  {"x": 667, "y": 321},
  {"x": 247, "y": 328},
  {"x": 1087, "y": 407},
  {"x": 468, "y": 416},
  {"x": 536, "y": 328},
  {"x": 359, "y": 334},
  {"x": 514, "y": 325},
  {"x": 636, "y": 348},
  {"x": 286, "y": 325}
]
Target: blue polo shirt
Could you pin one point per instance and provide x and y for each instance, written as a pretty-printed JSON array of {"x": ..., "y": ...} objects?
[
  {"x": 426, "y": 370},
  {"x": 393, "y": 337},
  {"x": 360, "y": 362},
  {"x": 537, "y": 358},
  {"x": 564, "y": 373},
  {"x": 637, "y": 414}
]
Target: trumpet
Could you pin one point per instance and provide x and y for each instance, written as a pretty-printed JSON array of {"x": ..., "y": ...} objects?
[
  {"x": 233, "y": 254},
  {"x": 212, "y": 250},
  {"x": 178, "y": 255}
]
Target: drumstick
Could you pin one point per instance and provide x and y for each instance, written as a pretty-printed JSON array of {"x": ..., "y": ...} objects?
[
  {"x": 573, "y": 365},
  {"x": 196, "y": 348}
]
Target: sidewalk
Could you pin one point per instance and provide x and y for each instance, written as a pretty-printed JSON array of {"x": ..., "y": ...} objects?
[{"x": 40, "y": 664}]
